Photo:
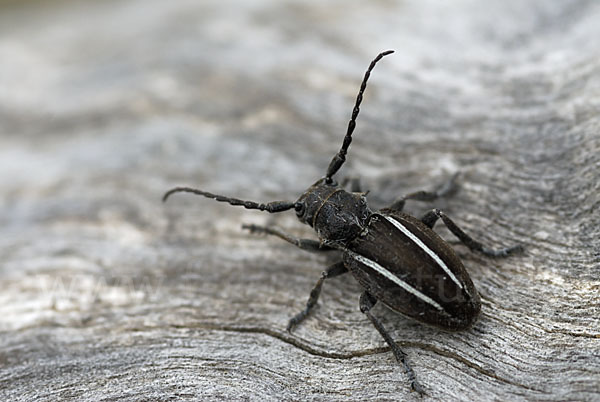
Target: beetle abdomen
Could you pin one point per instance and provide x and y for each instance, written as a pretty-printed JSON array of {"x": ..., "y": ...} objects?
[{"x": 408, "y": 267}]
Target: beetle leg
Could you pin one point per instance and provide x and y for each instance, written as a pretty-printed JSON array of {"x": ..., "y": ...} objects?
[
  {"x": 304, "y": 244},
  {"x": 332, "y": 271},
  {"x": 445, "y": 189},
  {"x": 367, "y": 301},
  {"x": 353, "y": 184},
  {"x": 432, "y": 216}
]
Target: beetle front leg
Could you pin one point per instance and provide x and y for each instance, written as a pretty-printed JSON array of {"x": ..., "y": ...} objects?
[
  {"x": 367, "y": 301},
  {"x": 445, "y": 189},
  {"x": 304, "y": 244},
  {"x": 332, "y": 271},
  {"x": 432, "y": 216},
  {"x": 352, "y": 183}
]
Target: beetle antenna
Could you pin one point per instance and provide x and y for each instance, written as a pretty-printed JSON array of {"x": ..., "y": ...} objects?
[
  {"x": 339, "y": 158},
  {"x": 271, "y": 207}
]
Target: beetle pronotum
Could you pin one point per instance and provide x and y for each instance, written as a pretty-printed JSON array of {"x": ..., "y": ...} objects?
[{"x": 398, "y": 259}]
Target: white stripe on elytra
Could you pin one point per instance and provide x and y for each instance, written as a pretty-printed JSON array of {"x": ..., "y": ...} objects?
[
  {"x": 372, "y": 264},
  {"x": 419, "y": 243}
]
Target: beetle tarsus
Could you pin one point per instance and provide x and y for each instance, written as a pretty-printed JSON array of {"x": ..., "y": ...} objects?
[
  {"x": 367, "y": 302},
  {"x": 332, "y": 271}
]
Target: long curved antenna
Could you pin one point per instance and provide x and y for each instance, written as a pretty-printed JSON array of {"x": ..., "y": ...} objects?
[
  {"x": 339, "y": 158},
  {"x": 271, "y": 207}
]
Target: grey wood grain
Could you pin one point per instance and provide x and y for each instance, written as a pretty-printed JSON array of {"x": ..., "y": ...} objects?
[{"x": 108, "y": 294}]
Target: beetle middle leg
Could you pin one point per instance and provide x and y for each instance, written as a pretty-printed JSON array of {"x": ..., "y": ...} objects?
[
  {"x": 304, "y": 244},
  {"x": 431, "y": 217},
  {"x": 332, "y": 271},
  {"x": 445, "y": 189},
  {"x": 367, "y": 301}
]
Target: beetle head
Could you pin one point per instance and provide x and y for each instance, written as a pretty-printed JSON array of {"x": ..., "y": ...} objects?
[{"x": 333, "y": 212}]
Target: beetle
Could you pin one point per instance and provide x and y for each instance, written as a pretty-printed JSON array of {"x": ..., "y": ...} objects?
[{"x": 398, "y": 259}]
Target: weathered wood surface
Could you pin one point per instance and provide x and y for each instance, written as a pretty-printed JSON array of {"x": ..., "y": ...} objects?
[{"x": 106, "y": 293}]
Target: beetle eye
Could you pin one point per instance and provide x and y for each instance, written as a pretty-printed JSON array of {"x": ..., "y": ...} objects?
[{"x": 300, "y": 208}]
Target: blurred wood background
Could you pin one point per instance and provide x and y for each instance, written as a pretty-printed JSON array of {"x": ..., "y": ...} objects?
[{"x": 106, "y": 293}]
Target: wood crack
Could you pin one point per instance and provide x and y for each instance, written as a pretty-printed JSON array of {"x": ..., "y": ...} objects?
[{"x": 298, "y": 343}]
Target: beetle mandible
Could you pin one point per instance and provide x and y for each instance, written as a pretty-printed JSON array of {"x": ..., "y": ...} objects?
[{"x": 398, "y": 259}]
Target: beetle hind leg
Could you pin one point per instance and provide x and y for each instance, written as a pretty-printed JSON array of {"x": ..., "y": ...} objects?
[
  {"x": 367, "y": 301},
  {"x": 332, "y": 271},
  {"x": 431, "y": 217}
]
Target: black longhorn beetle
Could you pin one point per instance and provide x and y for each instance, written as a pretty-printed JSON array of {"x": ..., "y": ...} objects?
[{"x": 398, "y": 259}]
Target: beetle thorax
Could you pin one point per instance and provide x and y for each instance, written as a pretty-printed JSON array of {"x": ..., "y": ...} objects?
[{"x": 335, "y": 214}]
